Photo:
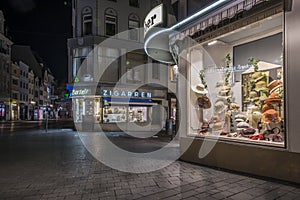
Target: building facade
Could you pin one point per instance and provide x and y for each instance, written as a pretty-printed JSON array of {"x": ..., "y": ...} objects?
[
  {"x": 14, "y": 91},
  {"x": 94, "y": 22},
  {"x": 31, "y": 100},
  {"x": 5, "y": 60},
  {"x": 23, "y": 99},
  {"x": 36, "y": 84},
  {"x": 237, "y": 59}
]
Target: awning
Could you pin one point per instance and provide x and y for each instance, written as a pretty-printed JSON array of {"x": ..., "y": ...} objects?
[{"x": 216, "y": 17}]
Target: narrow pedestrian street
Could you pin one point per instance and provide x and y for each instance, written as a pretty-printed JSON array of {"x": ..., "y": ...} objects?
[{"x": 56, "y": 165}]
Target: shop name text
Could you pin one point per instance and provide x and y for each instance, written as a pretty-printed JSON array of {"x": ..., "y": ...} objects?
[{"x": 117, "y": 93}]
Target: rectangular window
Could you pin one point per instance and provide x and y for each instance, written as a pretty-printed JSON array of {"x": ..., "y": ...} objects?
[
  {"x": 133, "y": 30},
  {"x": 87, "y": 25},
  {"x": 15, "y": 96},
  {"x": 15, "y": 82},
  {"x": 79, "y": 57},
  {"x": 137, "y": 114},
  {"x": 134, "y": 3},
  {"x": 134, "y": 73},
  {"x": 110, "y": 25},
  {"x": 155, "y": 70},
  {"x": 109, "y": 57},
  {"x": 113, "y": 114},
  {"x": 240, "y": 97}
]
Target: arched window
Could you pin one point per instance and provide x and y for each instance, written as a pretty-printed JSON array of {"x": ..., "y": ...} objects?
[
  {"x": 111, "y": 22},
  {"x": 87, "y": 21},
  {"x": 133, "y": 25}
]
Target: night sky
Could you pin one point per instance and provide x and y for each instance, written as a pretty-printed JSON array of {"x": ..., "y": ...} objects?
[{"x": 44, "y": 25}]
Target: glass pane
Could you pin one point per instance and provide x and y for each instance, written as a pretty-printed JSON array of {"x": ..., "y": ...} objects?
[
  {"x": 133, "y": 24},
  {"x": 137, "y": 114},
  {"x": 134, "y": 34},
  {"x": 237, "y": 88},
  {"x": 110, "y": 29},
  {"x": 134, "y": 3},
  {"x": 112, "y": 52},
  {"x": 87, "y": 28},
  {"x": 113, "y": 114}
]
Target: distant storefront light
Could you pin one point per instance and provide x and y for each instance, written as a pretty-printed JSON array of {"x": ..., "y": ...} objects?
[
  {"x": 84, "y": 91},
  {"x": 76, "y": 80}
]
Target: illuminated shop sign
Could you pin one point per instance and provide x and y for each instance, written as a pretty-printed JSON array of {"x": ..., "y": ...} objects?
[
  {"x": 79, "y": 92},
  {"x": 154, "y": 18},
  {"x": 122, "y": 93}
]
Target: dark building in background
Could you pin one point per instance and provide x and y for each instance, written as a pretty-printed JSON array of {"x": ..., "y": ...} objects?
[
  {"x": 93, "y": 96},
  {"x": 37, "y": 84},
  {"x": 5, "y": 61}
]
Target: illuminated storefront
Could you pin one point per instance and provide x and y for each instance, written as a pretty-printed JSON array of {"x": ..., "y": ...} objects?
[
  {"x": 2, "y": 111},
  {"x": 119, "y": 109},
  {"x": 238, "y": 67}
]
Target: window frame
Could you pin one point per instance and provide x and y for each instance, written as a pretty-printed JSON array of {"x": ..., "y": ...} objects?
[
  {"x": 133, "y": 18},
  {"x": 87, "y": 12},
  {"x": 110, "y": 13}
]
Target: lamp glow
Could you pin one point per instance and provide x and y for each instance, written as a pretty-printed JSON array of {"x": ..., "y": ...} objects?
[
  {"x": 179, "y": 24},
  {"x": 212, "y": 42}
]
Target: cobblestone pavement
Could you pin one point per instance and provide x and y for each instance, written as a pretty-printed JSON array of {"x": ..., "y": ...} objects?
[{"x": 56, "y": 165}]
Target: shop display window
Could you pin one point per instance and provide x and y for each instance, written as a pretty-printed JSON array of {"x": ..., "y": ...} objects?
[
  {"x": 137, "y": 114},
  {"x": 98, "y": 110},
  {"x": 78, "y": 108},
  {"x": 89, "y": 107},
  {"x": 103, "y": 112},
  {"x": 239, "y": 96},
  {"x": 112, "y": 114}
]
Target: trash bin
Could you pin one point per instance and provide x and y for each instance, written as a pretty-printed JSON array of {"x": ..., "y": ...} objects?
[{"x": 169, "y": 127}]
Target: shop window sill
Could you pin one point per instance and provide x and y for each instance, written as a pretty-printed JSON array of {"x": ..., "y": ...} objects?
[{"x": 239, "y": 140}]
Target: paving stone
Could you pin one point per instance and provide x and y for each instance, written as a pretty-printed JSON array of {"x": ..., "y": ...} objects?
[
  {"x": 190, "y": 198},
  {"x": 122, "y": 192},
  {"x": 222, "y": 195},
  {"x": 202, "y": 195},
  {"x": 287, "y": 196},
  {"x": 61, "y": 168},
  {"x": 73, "y": 197},
  {"x": 242, "y": 196},
  {"x": 36, "y": 197},
  {"x": 56, "y": 198}
]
